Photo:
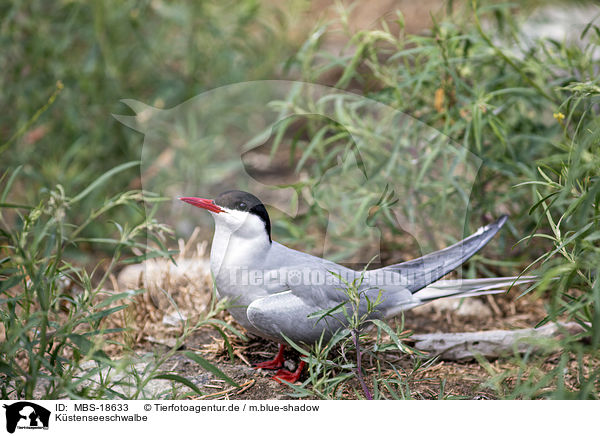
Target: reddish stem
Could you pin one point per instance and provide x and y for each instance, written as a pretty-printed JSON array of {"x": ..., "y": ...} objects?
[{"x": 359, "y": 374}]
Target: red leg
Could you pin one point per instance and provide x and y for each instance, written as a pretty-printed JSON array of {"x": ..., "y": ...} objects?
[
  {"x": 290, "y": 377},
  {"x": 275, "y": 363}
]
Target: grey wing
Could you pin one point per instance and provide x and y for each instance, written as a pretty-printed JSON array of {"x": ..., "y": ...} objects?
[
  {"x": 287, "y": 313},
  {"x": 418, "y": 273}
]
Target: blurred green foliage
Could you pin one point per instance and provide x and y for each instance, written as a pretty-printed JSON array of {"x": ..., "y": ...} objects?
[
  {"x": 528, "y": 107},
  {"x": 160, "y": 52},
  {"x": 70, "y": 171}
]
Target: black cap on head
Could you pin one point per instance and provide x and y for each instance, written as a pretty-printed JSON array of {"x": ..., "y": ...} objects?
[{"x": 245, "y": 202}]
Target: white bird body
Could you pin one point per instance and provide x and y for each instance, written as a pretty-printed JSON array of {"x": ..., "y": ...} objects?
[{"x": 274, "y": 289}]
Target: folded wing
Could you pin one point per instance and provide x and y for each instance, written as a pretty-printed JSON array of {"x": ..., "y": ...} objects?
[{"x": 418, "y": 273}]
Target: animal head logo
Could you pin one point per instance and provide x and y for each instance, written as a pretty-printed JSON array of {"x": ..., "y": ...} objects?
[{"x": 25, "y": 414}]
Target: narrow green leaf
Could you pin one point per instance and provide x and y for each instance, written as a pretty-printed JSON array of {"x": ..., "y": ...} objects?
[
  {"x": 9, "y": 183},
  {"x": 178, "y": 379},
  {"x": 382, "y": 325},
  {"x": 210, "y": 367},
  {"x": 103, "y": 178}
]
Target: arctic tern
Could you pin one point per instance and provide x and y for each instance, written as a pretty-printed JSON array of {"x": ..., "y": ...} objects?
[{"x": 275, "y": 289}]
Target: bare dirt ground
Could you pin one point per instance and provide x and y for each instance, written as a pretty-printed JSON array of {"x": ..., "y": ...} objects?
[{"x": 461, "y": 379}]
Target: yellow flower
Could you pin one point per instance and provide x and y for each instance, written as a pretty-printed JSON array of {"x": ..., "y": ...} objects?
[{"x": 559, "y": 116}]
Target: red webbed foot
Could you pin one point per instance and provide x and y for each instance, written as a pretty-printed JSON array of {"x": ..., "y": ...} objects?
[
  {"x": 288, "y": 376},
  {"x": 276, "y": 363}
]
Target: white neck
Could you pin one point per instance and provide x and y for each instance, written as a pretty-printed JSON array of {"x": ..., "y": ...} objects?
[{"x": 231, "y": 249}]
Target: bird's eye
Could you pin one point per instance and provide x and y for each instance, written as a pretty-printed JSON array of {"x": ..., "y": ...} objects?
[{"x": 242, "y": 205}]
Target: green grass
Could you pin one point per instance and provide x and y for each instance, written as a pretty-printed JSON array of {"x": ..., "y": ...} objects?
[
  {"x": 53, "y": 311},
  {"x": 336, "y": 369},
  {"x": 162, "y": 53},
  {"x": 72, "y": 213},
  {"x": 530, "y": 114}
]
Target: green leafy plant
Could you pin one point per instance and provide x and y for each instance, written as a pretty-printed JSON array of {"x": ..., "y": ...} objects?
[
  {"x": 53, "y": 310},
  {"x": 334, "y": 365},
  {"x": 528, "y": 108},
  {"x": 63, "y": 90}
]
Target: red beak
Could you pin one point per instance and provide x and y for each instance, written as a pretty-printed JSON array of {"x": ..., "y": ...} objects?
[{"x": 203, "y": 203}]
